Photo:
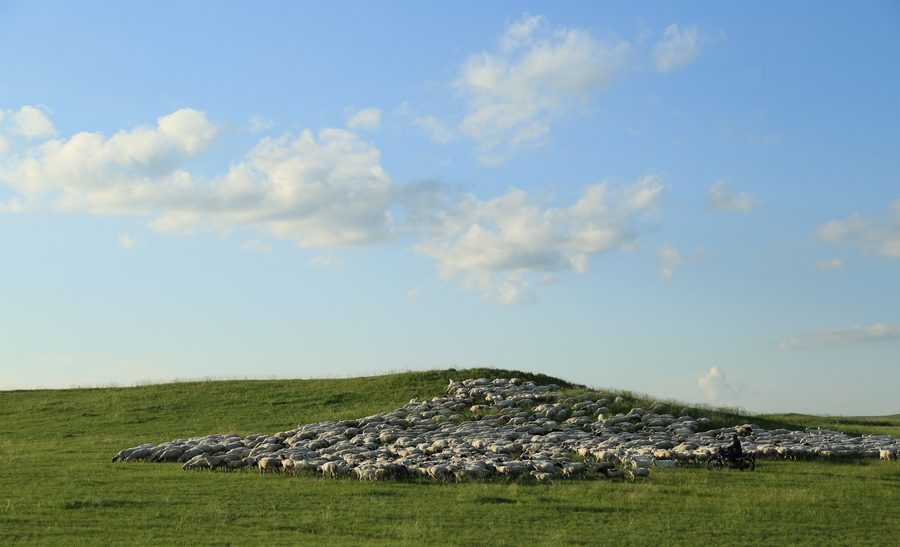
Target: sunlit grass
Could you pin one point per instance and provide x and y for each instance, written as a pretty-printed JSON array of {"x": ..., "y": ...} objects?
[{"x": 59, "y": 486}]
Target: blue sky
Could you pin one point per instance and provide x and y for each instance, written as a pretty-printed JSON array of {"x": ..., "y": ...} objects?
[{"x": 696, "y": 201}]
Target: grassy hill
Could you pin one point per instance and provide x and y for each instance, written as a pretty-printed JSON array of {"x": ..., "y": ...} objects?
[{"x": 59, "y": 487}]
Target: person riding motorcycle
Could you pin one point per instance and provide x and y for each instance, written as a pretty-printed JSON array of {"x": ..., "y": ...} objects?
[{"x": 733, "y": 451}]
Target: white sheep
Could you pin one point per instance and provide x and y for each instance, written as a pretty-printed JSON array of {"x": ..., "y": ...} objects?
[
  {"x": 642, "y": 472},
  {"x": 614, "y": 473},
  {"x": 269, "y": 464},
  {"x": 665, "y": 464},
  {"x": 543, "y": 477},
  {"x": 572, "y": 470}
]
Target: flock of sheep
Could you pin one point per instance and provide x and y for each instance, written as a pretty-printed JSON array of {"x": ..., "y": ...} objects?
[{"x": 514, "y": 428}]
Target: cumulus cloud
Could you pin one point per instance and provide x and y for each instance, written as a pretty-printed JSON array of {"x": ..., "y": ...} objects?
[
  {"x": 514, "y": 290},
  {"x": 401, "y": 110},
  {"x": 324, "y": 261},
  {"x": 328, "y": 190},
  {"x": 671, "y": 259},
  {"x": 488, "y": 245},
  {"x": 723, "y": 198},
  {"x": 791, "y": 343},
  {"x": 258, "y": 123},
  {"x": 437, "y": 130},
  {"x": 537, "y": 74},
  {"x": 716, "y": 386},
  {"x": 677, "y": 49},
  {"x": 829, "y": 265},
  {"x": 367, "y": 118},
  {"x": 880, "y": 234},
  {"x": 317, "y": 190},
  {"x": 848, "y": 336},
  {"x": 126, "y": 241},
  {"x": 256, "y": 246},
  {"x": 32, "y": 122}
]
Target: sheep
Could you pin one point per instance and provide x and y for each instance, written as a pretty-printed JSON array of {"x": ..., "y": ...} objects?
[
  {"x": 543, "y": 477},
  {"x": 205, "y": 461},
  {"x": 543, "y": 467},
  {"x": 642, "y": 472},
  {"x": 515, "y": 425},
  {"x": 665, "y": 464},
  {"x": 572, "y": 470},
  {"x": 638, "y": 461},
  {"x": 267, "y": 464},
  {"x": 136, "y": 453},
  {"x": 598, "y": 467},
  {"x": 235, "y": 464},
  {"x": 614, "y": 474},
  {"x": 366, "y": 473}
]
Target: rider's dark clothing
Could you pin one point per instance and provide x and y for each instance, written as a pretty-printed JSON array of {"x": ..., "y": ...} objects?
[{"x": 734, "y": 449}]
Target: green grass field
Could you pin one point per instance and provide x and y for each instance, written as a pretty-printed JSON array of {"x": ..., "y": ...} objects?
[{"x": 59, "y": 486}]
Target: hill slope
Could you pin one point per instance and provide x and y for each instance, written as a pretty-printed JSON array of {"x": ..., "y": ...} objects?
[{"x": 59, "y": 487}]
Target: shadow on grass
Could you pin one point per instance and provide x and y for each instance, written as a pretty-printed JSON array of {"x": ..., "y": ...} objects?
[
  {"x": 493, "y": 500},
  {"x": 100, "y": 504}
]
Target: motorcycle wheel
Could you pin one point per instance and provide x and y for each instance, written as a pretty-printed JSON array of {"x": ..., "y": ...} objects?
[{"x": 714, "y": 464}]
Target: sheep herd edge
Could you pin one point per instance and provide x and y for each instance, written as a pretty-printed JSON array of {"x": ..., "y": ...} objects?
[{"x": 502, "y": 428}]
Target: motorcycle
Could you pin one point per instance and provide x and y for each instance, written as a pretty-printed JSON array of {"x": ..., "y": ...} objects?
[{"x": 721, "y": 460}]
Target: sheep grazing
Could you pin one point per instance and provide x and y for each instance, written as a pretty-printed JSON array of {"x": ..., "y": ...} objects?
[
  {"x": 598, "y": 467},
  {"x": 205, "y": 461},
  {"x": 517, "y": 429},
  {"x": 642, "y": 472},
  {"x": 572, "y": 470},
  {"x": 665, "y": 464},
  {"x": 134, "y": 454},
  {"x": 269, "y": 464},
  {"x": 543, "y": 477},
  {"x": 614, "y": 473}
]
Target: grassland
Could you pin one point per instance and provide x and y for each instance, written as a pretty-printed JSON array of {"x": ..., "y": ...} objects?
[{"x": 58, "y": 487}]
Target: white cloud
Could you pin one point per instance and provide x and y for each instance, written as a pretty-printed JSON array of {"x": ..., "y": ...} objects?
[
  {"x": 128, "y": 242},
  {"x": 256, "y": 246},
  {"x": 258, "y": 123},
  {"x": 513, "y": 95},
  {"x": 325, "y": 191},
  {"x": 723, "y": 198},
  {"x": 880, "y": 235},
  {"x": 31, "y": 122},
  {"x": 437, "y": 130},
  {"x": 324, "y": 261},
  {"x": 489, "y": 245},
  {"x": 671, "y": 259},
  {"x": 677, "y": 49},
  {"x": 791, "y": 343},
  {"x": 514, "y": 290},
  {"x": 848, "y": 336},
  {"x": 329, "y": 191},
  {"x": 830, "y": 265},
  {"x": 414, "y": 292},
  {"x": 16, "y": 206},
  {"x": 367, "y": 118},
  {"x": 716, "y": 386}
]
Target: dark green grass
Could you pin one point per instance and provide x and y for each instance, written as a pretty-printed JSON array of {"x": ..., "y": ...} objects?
[{"x": 58, "y": 486}]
